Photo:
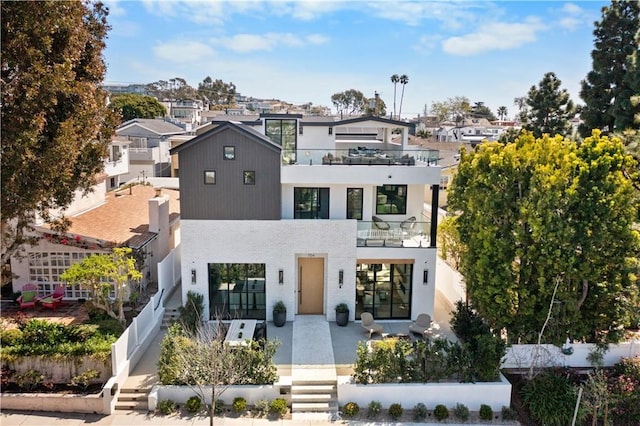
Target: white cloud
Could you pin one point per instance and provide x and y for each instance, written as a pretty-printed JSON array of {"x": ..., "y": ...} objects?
[
  {"x": 114, "y": 8},
  {"x": 265, "y": 42},
  {"x": 427, "y": 43},
  {"x": 572, "y": 16},
  {"x": 494, "y": 36},
  {"x": 182, "y": 51}
]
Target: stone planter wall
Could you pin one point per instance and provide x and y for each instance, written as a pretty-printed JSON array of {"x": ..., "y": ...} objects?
[
  {"x": 52, "y": 402},
  {"x": 180, "y": 394},
  {"x": 59, "y": 370}
]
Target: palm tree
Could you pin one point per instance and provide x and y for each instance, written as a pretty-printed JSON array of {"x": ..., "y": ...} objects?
[
  {"x": 502, "y": 113},
  {"x": 394, "y": 79},
  {"x": 404, "y": 79}
]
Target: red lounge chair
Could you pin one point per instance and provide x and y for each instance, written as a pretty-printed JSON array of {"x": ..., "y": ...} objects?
[
  {"x": 29, "y": 296},
  {"x": 54, "y": 299}
]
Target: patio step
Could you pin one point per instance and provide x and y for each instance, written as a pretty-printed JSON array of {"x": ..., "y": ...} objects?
[
  {"x": 170, "y": 315},
  {"x": 314, "y": 398},
  {"x": 133, "y": 400}
]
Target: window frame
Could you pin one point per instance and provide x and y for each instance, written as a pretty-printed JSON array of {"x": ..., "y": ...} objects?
[
  {"x": 207, "y": 177},
  {"x": 248, "y": 173},
  {"x": 391, "y": 199},
  {"x": 350, "y": 211},
  {"x": 232, "y": 155}
]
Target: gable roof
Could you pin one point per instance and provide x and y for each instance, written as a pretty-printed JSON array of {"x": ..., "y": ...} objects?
[
  {"x": 154, "y": 125},
  {"x": 228, "y": 125},
  {"x": 391, "y": 123}
]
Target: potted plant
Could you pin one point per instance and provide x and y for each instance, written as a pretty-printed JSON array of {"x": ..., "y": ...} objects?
[
  {"x": 279, "y": 313},
  {"x": 342, "y": 314}
]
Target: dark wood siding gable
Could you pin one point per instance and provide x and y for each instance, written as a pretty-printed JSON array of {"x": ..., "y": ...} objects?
[{"x": 229, "y": 198}]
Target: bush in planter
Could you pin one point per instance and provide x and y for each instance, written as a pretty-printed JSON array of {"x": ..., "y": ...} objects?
[
  {"x": 167, "y": 406},
  {"x": 342, "y": 314},
  {"x": 441, "y": 412},
  {"x": 278, "y": 406},
  {"x": 239, "y": 404},
  {"x": 486, "y": 413},
  {"x": 374, "y": 409},
  {"x": 192, "y": 312},
  {"x": 551, "y": 399},
  {"x": 219, "y": 407},
  {"x": 509, "y": 413},
  {"x": 351, "y": 409},
  {"x": 395, "y": 411},
  {"x": 261, "y": 407},
  {"x": 279, "y": 313},
  {"x": 461, "y": 412},
  {"x": 194, "y": 404},
  {"x": 420, "y": 412}
]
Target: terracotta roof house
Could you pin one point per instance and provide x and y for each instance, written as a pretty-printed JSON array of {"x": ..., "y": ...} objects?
[
  {"x": 144, "y": 218},
  {"x": 311, "y": 211}
]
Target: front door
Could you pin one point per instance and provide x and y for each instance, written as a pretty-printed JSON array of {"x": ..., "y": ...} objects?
[{"x": 310, "y": 285}]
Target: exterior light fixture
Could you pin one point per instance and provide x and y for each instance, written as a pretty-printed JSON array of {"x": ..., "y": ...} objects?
[
  {"x": 425, "y": 277},
  {"x": 281, "y": 276},
  {"x": 193, "y": 276},
  {"x": 341, "y": 277}
]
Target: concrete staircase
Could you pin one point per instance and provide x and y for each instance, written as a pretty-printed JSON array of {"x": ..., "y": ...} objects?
[
  {"x": 133, "y": 399},
  {"x": 314, "y": 399},
  {"x": 169, "y": 316}
]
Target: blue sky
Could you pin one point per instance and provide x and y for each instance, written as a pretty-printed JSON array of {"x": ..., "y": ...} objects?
[{"x": 305, "y": 51}]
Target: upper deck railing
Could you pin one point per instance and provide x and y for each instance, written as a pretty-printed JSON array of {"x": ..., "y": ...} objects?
[{"x": 361, "y": 156}]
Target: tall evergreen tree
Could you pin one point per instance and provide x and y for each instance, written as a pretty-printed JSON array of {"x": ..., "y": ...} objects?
[
  {"x": 56, "y": 125},
  {"x": 133, "y": 105},
  {"x": 609, "y": 86},
  {"x": 550, "y": 108}
]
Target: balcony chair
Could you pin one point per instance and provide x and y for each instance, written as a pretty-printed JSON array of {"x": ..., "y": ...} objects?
[
  {"x": 408, "y": 225},
  {"x": 369, "y": 324},
  {"x": 421, "y": 325},
  {"x": 29, "y": 296},
  {"x": 53, "y": 300}
]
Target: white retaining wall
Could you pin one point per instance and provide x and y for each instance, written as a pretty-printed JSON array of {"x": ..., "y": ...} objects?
[
  {"x": 521, "y": 356},
  {"x": 180, "y": 394},
  {"x": 494, "y": 394}
]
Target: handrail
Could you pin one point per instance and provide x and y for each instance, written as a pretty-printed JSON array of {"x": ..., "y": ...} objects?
[{"x": 159, "y": 300}]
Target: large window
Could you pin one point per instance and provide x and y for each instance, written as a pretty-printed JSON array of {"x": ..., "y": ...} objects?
[
  {"x": 311, "y": 203},
  {"x": 45, "y": 269},
  {"x": 283, "y": 132},
  {"x": 237, "y": 290},
  {"x": 391, "y": 199},
  {"x": 354, "y": 203},
  {"x": 384, "y": 290}
]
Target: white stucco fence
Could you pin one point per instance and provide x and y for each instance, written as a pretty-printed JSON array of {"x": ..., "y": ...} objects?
[
  {"x": 127, "y": 351},
  {"x": 494, "y": 394},
  {"x": 180, "y": 394}
]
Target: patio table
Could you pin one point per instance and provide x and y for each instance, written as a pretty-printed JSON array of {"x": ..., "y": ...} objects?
[{"x": 240, "y": 331}]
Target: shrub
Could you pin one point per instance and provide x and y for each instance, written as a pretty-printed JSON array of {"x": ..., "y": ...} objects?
[
  {"x": 351, "y": 409},
  {"x": 194, "y": 404},
  {"x": 374, "y": 409},
  {"x": 420, "y": 412},
  {"x": 192, "y": 311},
  {"x": 486, "y": 413},
  {"x": 218, "y": 408},
  {"x": 395, "y": 411},
  {"x": 550, "y": 398},
  {"x": 10, "y": 337},
  {"x": 441, "y": 412},
  {"x": 261, "y": 407},
  {"x": 239, "y": 404},
  {"x": 167, "y": 406},
  {"x": 30, "y": 379},
  {"x": 509, "y": 413},
  {"x": 461, "y": 412},
  {"x": 83, "y": 380},
  {"x": 466, "y": 323},
  {"x": 278, "y": 406}
]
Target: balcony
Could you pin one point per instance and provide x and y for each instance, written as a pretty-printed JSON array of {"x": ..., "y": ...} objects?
[
  {"x": 361, "y": 156},
  {"x": 381, "y": 233}
]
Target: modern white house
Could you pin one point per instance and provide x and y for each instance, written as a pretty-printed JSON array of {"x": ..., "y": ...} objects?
[{"x": 312, "y": 211}]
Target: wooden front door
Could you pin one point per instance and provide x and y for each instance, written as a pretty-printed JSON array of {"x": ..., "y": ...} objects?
[{"x": 310, "y": 285}]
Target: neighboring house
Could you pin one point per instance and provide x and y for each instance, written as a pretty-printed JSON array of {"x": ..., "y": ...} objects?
[
  {"x": 116, "y": 167},
  {"x": 471, "y": 130},
  {"x": 141, "y": 217},
  {"x": 149, "y": 146},
  {"x": 187, "y": 111},
  {"x": 312, "y": 211}
]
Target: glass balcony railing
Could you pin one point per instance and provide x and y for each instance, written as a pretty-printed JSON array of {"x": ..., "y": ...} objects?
[
  {"x": 381, "y": 233},
  {"x": 361, "y": 156}
]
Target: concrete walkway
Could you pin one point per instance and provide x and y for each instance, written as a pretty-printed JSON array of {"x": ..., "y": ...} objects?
[{"x": 312, "y": 351}]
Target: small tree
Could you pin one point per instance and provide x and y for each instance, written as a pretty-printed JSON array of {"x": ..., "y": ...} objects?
[{"x": 102, "y": 273}]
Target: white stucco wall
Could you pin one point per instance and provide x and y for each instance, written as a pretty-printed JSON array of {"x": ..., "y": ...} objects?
[{"x": 279, "y": 244}]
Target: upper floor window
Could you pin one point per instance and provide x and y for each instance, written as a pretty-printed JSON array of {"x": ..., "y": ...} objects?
[
  {"x": 138, "y": 142},
  {"x": 354, "y": 203},
  {"x": 391, "y": 199},
  {"x": 311, "y": 203},
  {"x": 330, "y": 130},
  {"x": 115, "y": 153},
  {"x": 283, "y": 132},
  {"x": 209, "y": 177},
  {"x": 249, "y": 177},
  {"x": 229, "y": 152}
]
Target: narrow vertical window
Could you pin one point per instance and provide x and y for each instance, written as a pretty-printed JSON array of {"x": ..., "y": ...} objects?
[
  {"x": 209, "y": 177},
  {"x": 229, "y": 152},
  {"x": 249, "y": 177}
]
